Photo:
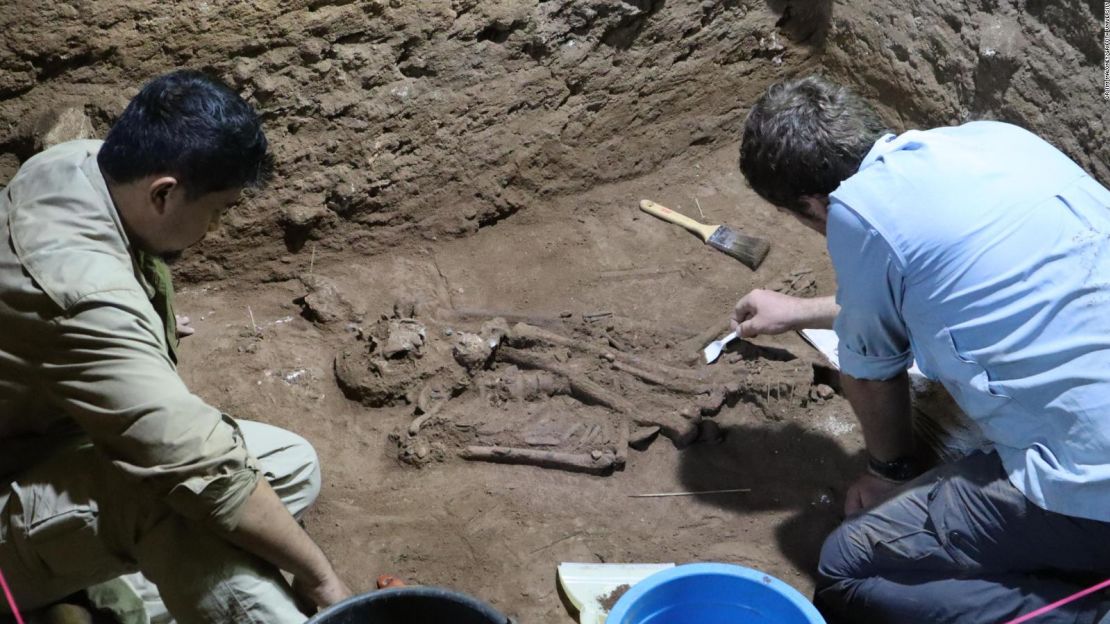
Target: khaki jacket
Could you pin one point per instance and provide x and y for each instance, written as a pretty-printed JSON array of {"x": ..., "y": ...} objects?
[{"x": 83, "y": 353}]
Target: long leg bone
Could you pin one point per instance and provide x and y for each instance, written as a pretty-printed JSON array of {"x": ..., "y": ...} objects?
[{"x": 598, "y": 462}]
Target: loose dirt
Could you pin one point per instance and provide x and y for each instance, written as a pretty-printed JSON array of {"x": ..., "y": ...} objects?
[{"x": 607, "y": 602}]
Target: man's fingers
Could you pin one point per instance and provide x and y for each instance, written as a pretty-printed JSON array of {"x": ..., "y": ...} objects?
[
  {"x": 744, "y": 309},
  {"x": 748, "y": 329},
  {"x": 184, "y": 327}
]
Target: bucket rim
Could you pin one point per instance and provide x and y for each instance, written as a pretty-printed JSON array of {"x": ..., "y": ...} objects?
[
  {"x": 430, "y": 591},
  {"x": 639, "y": 590}
]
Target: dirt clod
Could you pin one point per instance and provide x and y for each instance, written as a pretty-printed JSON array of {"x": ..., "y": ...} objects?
[
  {"x": 608, "y": 601},
  {"x": 324, "y": 302}
]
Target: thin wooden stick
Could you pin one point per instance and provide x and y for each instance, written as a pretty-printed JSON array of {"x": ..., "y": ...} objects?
[
  {"x": 667, "y": 494},
  {"x": 253, "y": 324},
  {"x": 627, "y": 274},
  {"x": 699, "y": 208}
]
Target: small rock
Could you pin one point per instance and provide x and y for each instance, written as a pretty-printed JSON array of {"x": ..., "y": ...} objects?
[
  {"x": 1001, "y": 38},
  {"x": 61, "y": 125},
  {"x": 324, "y": 303},
  {"x": 304, "y": 215},
  {"x": 824, "y": 391},
  {"x": 596, "y": 454}
]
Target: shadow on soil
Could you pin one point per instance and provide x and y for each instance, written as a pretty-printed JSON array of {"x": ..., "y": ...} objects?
[
  {"x": 787, "y": 468},
  {"x": 804, "y": 21}
]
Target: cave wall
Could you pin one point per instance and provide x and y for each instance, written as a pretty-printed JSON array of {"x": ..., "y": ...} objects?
[
  {"x": 1036, "y": 63},
  {"x": 398, "y": 122}
]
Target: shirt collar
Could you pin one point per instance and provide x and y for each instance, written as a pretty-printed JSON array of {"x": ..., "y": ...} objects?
[
  {"x": 886, "y": 144},
  {"x": 100, "y": 185}
]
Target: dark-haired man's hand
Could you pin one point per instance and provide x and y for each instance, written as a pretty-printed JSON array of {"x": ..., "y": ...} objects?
[
  {"x": 321, "y": 593},
  {"x": 769, "y": 312}
]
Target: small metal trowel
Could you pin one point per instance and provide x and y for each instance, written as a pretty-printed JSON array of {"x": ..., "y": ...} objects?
[{"x": 714, "y": 349}]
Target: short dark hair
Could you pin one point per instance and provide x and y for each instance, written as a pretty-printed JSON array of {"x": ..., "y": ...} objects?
[
  {"x": 804, "y": 137},
  {"x": 192, "y": 126}
]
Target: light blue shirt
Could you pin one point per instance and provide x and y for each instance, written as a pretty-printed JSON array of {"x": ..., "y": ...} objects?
[{"x": 984, "y": 252}]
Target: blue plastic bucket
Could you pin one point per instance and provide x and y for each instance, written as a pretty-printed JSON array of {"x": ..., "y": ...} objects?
[
  {"x": 410, "y": 605},
  {"x": 713, "y": 593}
]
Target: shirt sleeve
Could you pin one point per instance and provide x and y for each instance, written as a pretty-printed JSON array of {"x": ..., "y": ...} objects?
[
  {"x": 874, "y": 342},
  {"x": 108, "y": 371}
]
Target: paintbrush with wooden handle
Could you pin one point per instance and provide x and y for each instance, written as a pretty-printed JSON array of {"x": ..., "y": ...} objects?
[{"x": 749, "y": 250}]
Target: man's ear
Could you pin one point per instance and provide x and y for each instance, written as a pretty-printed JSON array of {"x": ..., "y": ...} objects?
[
  {"x": 816, "y": 206},
  {"x": 159, "y": 190}
]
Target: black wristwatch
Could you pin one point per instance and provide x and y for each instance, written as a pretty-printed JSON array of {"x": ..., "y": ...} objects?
[{"x": 899, "y": 470}]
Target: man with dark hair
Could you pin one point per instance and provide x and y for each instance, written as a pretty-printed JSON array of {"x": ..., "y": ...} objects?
[
  {"x": 984, "y": 253},
  {"x": 111, "y": 466}
]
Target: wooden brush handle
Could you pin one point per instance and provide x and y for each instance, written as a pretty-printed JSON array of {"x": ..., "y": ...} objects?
[{"x": 666, "y": 214}]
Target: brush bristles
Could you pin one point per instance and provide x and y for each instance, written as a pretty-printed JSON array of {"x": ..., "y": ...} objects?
[{"x": 749, "y": 250}]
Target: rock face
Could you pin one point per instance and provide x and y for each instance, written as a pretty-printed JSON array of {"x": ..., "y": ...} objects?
[
  {"x": 1031, "y": 62},
  {"x": 61, "y": 125},
  {"x": 395, "y": 121},
  {"x": 398, "y": 121}
]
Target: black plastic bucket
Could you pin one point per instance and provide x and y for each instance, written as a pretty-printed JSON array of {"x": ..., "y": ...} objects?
[{"x": 411, "y": 605}]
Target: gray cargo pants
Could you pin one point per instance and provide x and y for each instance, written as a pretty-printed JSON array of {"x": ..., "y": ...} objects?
[
  {"x": 961, "y": 544},
  {"x": 79, "y": 525}
]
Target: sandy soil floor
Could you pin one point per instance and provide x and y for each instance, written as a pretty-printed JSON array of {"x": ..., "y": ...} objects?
[{"x": 498, "y": 531}]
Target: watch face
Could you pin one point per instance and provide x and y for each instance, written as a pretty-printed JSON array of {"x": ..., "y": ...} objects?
[{"x": 901, "y": 469}]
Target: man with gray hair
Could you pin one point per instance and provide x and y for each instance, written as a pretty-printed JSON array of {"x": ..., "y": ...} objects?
[{"x": 983, "y": 252}]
